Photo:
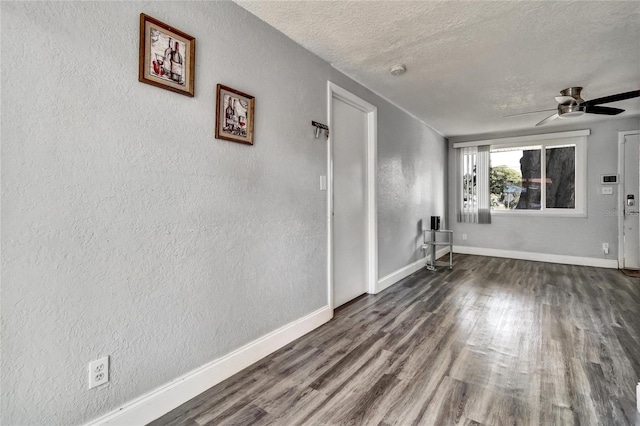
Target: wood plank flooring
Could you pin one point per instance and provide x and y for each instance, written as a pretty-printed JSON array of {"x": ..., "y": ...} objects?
[{"x": 492, "y": 342}]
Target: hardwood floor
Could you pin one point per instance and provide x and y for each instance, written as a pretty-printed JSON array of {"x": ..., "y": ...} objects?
[{"x": 494, "y": 341}]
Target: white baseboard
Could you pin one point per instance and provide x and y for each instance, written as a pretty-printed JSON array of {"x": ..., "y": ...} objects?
[
  {"x": 389, "y": 280},
  {"x": 538, "y": 257},
  {"x": 160, "y": 401}
]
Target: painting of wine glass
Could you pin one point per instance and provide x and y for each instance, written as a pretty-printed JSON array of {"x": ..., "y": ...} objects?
[
  {"x": 167, "y": 56},
  {"x": 234, "y": 115},
  {"x": 169, "y": 62}
]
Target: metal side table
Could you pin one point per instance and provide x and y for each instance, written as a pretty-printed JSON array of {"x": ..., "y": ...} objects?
[{"x": 432, "y": 239}]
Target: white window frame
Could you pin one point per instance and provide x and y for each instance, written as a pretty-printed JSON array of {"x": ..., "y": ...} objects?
[{"x": 577, "y": 138}]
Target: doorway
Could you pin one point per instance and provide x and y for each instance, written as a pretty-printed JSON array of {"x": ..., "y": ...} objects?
[
  {"x": 352, "y": 238},
  {"x": 628, "y": 198}
]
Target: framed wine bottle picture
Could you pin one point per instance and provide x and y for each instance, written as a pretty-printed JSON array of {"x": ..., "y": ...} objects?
[
  {"x": 234, "y": 115},
  {"x": 167, "y": 56}
]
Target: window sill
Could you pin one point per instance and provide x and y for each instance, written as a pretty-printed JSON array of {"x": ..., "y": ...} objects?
[{"x": 539, "y": 213}]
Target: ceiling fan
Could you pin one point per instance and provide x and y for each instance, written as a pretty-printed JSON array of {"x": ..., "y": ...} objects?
[{"x": 570, "y": 104}]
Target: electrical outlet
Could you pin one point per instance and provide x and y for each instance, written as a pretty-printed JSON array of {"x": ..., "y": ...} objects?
[
  {"x": 98, "y": 372},
  {"x": 605, "y": 248},
  {"x": 464, "y": 237}
]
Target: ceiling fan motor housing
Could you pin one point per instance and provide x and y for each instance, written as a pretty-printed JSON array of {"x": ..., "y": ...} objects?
[
  {"x": 574, "y": 107},
  {"x": 571, "y": 110},
  {"x": 574, "y": 92}
]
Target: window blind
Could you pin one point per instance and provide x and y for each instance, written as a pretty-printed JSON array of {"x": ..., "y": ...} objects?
[{"x": 473, "y": 193}]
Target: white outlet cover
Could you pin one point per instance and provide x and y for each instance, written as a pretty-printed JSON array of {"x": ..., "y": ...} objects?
[{"x": 98, "y": 372}]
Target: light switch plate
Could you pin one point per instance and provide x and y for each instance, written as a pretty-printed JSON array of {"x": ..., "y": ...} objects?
[
  {"x": 607, "y": 190},
  {"x": 323, "y": 183}
]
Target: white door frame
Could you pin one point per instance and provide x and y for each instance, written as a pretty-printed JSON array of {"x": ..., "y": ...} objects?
[
  {"x": 621, "y": 195},
  {"x": 335, "y": 91}
]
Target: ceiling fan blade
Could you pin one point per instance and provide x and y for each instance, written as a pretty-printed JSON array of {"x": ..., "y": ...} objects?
[
  {"x": 529, "y": 112},
  {"x": 549, "y": 118},
  {"x": 564, "y": 100},
  {"x": 591, "y": 109},
  {"x": 614, "y": 98}
]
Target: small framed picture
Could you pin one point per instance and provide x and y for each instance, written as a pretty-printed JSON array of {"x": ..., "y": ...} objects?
[
  {"x": 167, "y": 56},
  {"x": 234, "y": 115}
]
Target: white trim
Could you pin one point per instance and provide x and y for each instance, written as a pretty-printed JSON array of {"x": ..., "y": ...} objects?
[
  {"x": 389, "y": 280},
  {"x": 621, "y": 207},
  {"x": 544, "y": 213},
  {"x": 329, "y": 200},
  {"x": 335, "y": 91},
  {"x": 521, "y": 139},
  {"x": 372, "y": 201},
  {"x": 538, "y": 257},
  {"x": 160, "y": 401}
]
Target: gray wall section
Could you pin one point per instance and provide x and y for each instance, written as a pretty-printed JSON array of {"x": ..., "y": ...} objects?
[
  {"x": 128, "y": 230},
  {"x": 411, "y": 183},
  {"x": 582, "y": 237}
]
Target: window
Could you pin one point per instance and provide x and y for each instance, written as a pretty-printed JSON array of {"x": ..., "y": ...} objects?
[
  {"x": 547, "y": 177},
  {"x": 536, "y": 175}
]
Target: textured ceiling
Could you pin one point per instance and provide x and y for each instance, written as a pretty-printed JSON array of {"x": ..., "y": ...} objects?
[{"x": 470, "y": 63}]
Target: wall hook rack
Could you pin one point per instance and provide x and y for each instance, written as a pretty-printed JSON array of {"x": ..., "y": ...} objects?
[{"x": 319, "y": 127}]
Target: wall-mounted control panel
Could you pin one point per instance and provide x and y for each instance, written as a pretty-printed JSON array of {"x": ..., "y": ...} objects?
[{"x": 608, "y": 179}]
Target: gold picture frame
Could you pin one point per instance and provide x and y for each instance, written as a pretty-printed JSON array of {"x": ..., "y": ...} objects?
[
  {"x": 167, "y": 56},
  {"x": 234, "y": 115}
]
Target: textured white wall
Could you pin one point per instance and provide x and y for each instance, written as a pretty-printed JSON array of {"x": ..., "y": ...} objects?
[
  {"x": 128, "y": 230},
  {"x": 582, "y": 237}
]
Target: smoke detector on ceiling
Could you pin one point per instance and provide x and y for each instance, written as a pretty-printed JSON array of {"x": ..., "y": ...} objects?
[{"x": 398, "y": 69}]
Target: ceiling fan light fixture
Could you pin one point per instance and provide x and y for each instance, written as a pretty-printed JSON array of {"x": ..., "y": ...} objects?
[
  {"x": 571, "y": 114},
  {"x": 398, "y": 69}
]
